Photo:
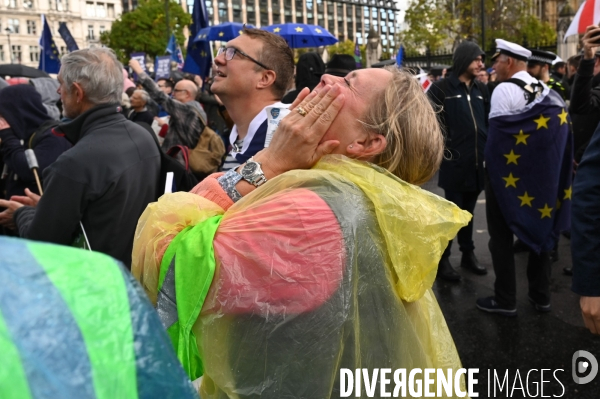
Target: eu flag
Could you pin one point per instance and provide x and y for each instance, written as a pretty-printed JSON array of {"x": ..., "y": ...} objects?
[
  {"x": 199, "y": 56},
  {"x": 65, "y": 33},
  {"x": 49, "y": 56},
  {"x": 529, "y": 159},
  {"x": 357, "y": 57},
  {"x": 400, "y": 56},
  {"x": 175, "y": 51}
]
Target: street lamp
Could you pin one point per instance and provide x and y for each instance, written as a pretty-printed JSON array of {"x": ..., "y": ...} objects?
[{"x": 8, "y": 32}]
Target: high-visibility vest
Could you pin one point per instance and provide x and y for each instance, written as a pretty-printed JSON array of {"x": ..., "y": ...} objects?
[{"x": 75, "y": 324}]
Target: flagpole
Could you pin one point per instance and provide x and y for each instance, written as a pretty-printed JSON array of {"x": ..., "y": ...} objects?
[
  {"x": 167, "y": 20},
  {"x": 43, "y": 44}
]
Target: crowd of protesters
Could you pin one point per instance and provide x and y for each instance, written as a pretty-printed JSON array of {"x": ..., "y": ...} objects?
[{"x": 85, "y": 168}]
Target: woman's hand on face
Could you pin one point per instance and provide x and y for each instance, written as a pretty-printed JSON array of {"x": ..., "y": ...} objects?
[{"x": 296, "y": 143}]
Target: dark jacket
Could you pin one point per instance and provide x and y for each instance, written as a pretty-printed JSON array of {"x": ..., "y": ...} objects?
[
  {"x": 105, "y": 181},
  {"x": 144, "y": 116},
  {"x": 464, "y": 120},
  {"x": 585, "y": 224},
  {"x": 309, "y": 70},
  {"x": 21, "y": 106},
  {"x": 585, "y": 106}
]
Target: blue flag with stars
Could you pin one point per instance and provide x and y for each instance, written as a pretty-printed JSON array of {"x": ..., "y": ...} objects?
[
  {"x": 175, "y": 51},
  {"x": 49, "y": 55},
  {"x": 65, "y": 33},
  {"x": 529, "y": 159},
  {"x": 199, "y": 57}
]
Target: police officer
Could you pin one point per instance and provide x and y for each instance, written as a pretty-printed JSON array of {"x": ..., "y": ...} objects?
[{"x": 538, "y": 66}]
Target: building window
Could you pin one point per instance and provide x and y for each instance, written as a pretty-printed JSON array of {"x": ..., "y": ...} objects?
[
  {"x": 111, "y": 10},
  {"x": 288, "y": 14},
  {"x": 250, "y": 14},
  {"x": 16, "y": 53},
  {"x": 1, "y": 53},
  {"x": 61, "y": 5},
  {"x": 13, "y": 24},
  {"x": 89, "y": 9},
  {"x": 102, "y": 29},
  {"x": 34, "y": 53},
  {"x": 90, "y": 35},
  {"x": 222, "y": 11},
  {"x": 11, "y": 3},
  {"x": 28, "y": 4},
  {"x": 209, "y": 7},
  {"x": 264, "y": 16},
  {"x": 100, "y": 10},
  {"x": 31, "y": 28}
]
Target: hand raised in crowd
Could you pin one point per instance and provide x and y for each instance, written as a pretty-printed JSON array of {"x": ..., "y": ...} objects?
[
  {"x": 590, "y": 40},
  {"x": 135, "y": 66},
  {"x": 160, "y": 121},
  {"x": 6, "y": 217},
  {"x": 297, "y": 143},
  {"x": 29, "y": 199},
  {"x": 590, "y": 310}
]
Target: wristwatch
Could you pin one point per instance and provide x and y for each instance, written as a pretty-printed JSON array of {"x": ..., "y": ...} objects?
[{"x": 252, "y": 173}]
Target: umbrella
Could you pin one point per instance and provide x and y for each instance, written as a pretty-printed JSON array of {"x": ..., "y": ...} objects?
[
  {"x": 18, "y": 70},
  {"x": 222, "y": 32},
  {"x": 588, "y": 14},
  {"x": 382, "y": 64},
  {"x": 303, "y": 35}
]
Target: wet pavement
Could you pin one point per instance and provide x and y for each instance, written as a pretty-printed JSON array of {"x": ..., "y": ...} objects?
[{"x": 517, "y": 348}]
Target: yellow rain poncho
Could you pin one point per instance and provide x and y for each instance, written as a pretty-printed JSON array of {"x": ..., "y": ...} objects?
[{"x": 317, "y": 270}]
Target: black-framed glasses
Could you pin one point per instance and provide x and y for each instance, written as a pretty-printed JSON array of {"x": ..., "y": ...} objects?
[
  {"x": 230, "y": 53},
  {"x": 176, "y": 90}
]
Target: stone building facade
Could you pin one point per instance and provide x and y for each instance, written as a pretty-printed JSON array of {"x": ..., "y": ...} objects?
[{"x": 86, "y": 19}]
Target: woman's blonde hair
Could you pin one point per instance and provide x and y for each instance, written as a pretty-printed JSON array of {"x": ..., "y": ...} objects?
[{"x": 405, "y": 117}]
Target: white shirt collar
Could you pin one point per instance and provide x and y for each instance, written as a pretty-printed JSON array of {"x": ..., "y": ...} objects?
[{"x": 258, "y": 120}]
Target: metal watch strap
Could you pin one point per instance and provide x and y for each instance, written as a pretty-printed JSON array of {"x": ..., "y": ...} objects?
[
  {"x": 228, "y": 182},
  {"x": 256, "y": 181}
]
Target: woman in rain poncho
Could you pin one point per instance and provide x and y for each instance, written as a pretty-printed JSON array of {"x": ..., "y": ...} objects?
[{"x": 316, "y": 270}]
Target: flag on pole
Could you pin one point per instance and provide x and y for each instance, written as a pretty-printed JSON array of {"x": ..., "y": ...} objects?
[
  {"x": 199, "y": 56},
  {"x": 588, "y": 14},
  {"x": 49, "y": 55},
  {"x": 174, "y": 49},
  {"x": 357, "y": 57},
  {"x": 400, "y": 56},
  {"x": 423, "y": 80},
  {"x": 65, "y": 33}
]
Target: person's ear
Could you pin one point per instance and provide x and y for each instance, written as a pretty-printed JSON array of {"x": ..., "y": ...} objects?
[
  {"x": 267, "y": 79},
  {"x": 368, "y": 146},
  {"x": 79, "y": 93}
]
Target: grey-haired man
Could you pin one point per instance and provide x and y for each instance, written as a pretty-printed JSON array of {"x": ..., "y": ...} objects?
[{"x": 109, "y": 176}]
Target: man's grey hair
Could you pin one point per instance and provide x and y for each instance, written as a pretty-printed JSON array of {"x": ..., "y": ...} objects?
[
  {"x": 144, "y": 94},
  {"x": 97, "y": 71}
]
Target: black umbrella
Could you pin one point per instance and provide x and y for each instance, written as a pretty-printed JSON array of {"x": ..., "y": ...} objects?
[{"x": 18, "y": 70}]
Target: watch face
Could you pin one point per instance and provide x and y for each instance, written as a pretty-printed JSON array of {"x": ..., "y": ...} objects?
[{"x": 249, "y": 169}]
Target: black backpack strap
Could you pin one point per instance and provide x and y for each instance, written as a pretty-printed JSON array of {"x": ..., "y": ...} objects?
[
  {"x": 531, "y": 90},
  {"x": 35, "y": 136}
]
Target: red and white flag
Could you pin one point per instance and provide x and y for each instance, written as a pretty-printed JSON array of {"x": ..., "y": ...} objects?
[
  {"x": 424, "y": 80},
  {"x": 588, "y": 14}
]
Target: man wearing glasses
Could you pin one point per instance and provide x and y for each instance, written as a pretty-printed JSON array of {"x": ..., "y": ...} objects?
[
  {"x": 185, "y": 125},
  {"x": 252, "y": 72},
  {"x": 166, "y": 86}
]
